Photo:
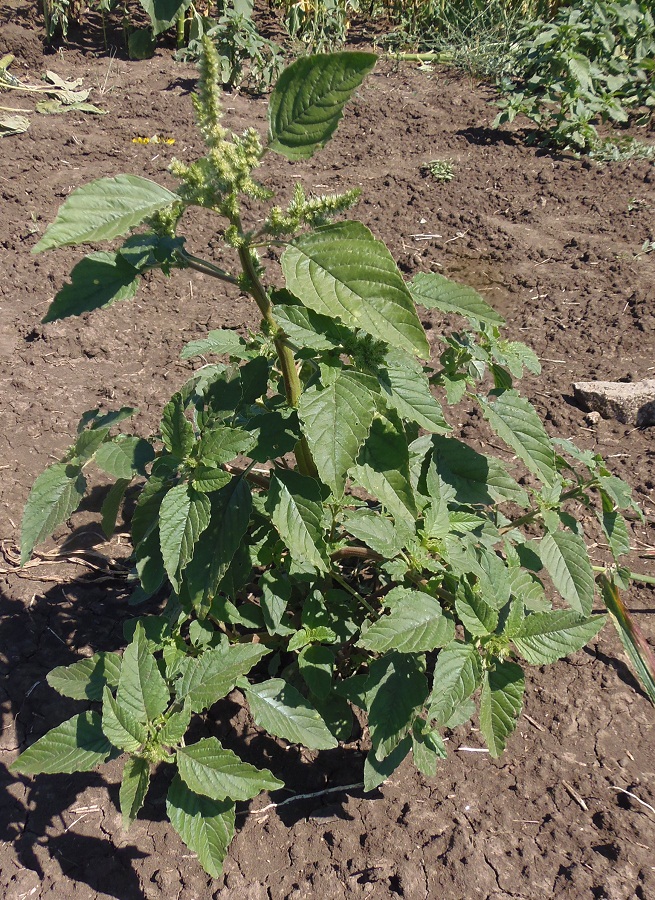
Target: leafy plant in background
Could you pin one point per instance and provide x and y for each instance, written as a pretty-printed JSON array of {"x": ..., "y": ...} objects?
[
  {"x": 321, "y": 25},
  {"x": 320, "y": 537},
  {"x": 594, "y": 62}
]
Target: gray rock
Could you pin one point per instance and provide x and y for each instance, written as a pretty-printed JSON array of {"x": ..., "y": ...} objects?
[{"x": 629, "y": 403}]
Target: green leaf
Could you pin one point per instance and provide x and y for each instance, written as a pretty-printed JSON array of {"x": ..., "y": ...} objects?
[
  {"x": 208, "y": 479},
  {"x": 214, "y": 674},
  {"x": 395, "y": 692},
  {"x": 376, "y": 771},
  {"x": 564, "y": 554},
  {"x": 77, "y": 745},
  {"x": 125, "y": 456},
  {"x": 514, "y": 419},
  {"x": 281, "y": 710},
  {"x": 434, "y": 291},
  {"x": 276, "y": 594},
  {"x": 142, "y": 691},
  {"x": 457, "y": 675},
  {"x": 477, "y": 616},
  {"x": 221, "y": 342},
  {"x": 217, "y": 545},
  {"x": 175, "y": 726},
  {"x": 415, "y": 624},
  {"x": 55, "y": 495},
  {"x": 308, "y": 100},
  {"x": 427, "y": 748},
  {"x": 208, "y": 768},
  {"x": 120, "y": 727},
  {"x": 548, "y": 636},
  {"x": 383, "y": 470},
  {"x": 316, "y": 664},
  {"x": 111, "y": 505},
  {"x": 206, "y": 826},
  {"x": 295, "y": 505},
  {"x": 221, "y": 444},
  {"x": 500, "y": 704},
  {"x": 85, "y": 680},
  {"x": 163, "y": 13},
  {"x": 616, "y": 532},
  {"x": 409, "y": 394},
  {"x": 306, "y": 328},
  {"x": 134, "y": 787},
  {"x": 176, "y": 430},
  {"x": 183, "y": 516},
  {"x": 103, "y": 210},
  {"x": 337, "y": 419},
  {"x": 635, "y": 644},
  {"x": 375, "y": 530},
  {"x": 476, "y": 478},
  {"x": 97, "y": 281},
  {"x": 343, "y": 272}
]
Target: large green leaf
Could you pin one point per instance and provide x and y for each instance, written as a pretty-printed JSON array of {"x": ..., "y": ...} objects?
[
  {"x": 281, "y": 710},
  {"x": 415, "y": 624},
  {"x": 206, "y": 826},
  {"x": 434, "y": 291},
  {"x": 548, "y": 636},
  {"x": 408, "y": 392},
  {"x": 134, "y": 787},
  {"x": 120, "y": 727},
  {"x": 295, "y": 505},
  {"x": 396, "y": 690},
  {"x": 85, "y": 680},
  {"x": 125, "y": 456},
  {"x": 214, "y": 674},
  {"x": 305, "y": 328},
  {"x": 230, "y": 514},
  {"x": 376, "y": 771},
  {"x": 176, "y": 430},
  {"x": 98, "y": 280},
  {"x": 477, "y": 616},
  {"x": 142, "y": 692},
  {"x": 372, "y": 528},
  {"x": 308, "y": 100},
  {"x": 457, "y": 675},
  {"x": 103, "y": 210},
  {"x": 337, "y": 419},
  {"x": 77, "y": 745},
  {"x": 343, "y": 272},
  {"x": 221, "y": 444},
  {"x": 55, "y": 495},
  {"x": 183, "y": 516},
  {"x": 500, "y": 704},
  {"x": 221, "y": 342},
  {"x": 564, "y": 554},
  {"x": 383, "y": 470},
  {"x": 515, "y": 420},
  {"x": 209, "y": 769},
  {"x": 163, "y": 13},
  {"x": 476, "y": 478}
]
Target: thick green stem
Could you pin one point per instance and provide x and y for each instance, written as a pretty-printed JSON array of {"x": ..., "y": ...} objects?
[
  {"x": 634, "y": 576},
  {"x": 292, "y": 385},
  {"x": 181, "y": 26}
]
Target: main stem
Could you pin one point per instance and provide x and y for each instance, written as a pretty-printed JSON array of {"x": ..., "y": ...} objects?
[{"x": 292, "y": 385}]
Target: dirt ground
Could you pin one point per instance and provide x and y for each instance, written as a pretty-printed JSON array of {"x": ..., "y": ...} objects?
[{"x": 555, "y": 244}]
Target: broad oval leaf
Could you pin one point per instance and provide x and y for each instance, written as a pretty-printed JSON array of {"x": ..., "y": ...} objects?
[
  {"x": 457, "y": 675},
  {"x": 77, "y": 745},
  {"x": 343, "y": 272},
  {"x": 142, "y": 692},
  {"x": 564, "y": 554},
  {"x": 295, "y": 505},
  {"x": 120, "y": 727},
  {"x": 214, "y": 674},
  {"x": 396, "y": 690},
  {"x": 434, "y": 291},
  {"x": 163, "y": 13},
  {"x": 55, "y": 495},
  {"x": 208, "y": 768},
  {"x": 86, "y": 679},
  {"x": 548, "y": 636},
  {"x": 415, "y": 624},
  {"x": 515, "y": 420},
  {"x": 183, "y": 516},
  {"x": 221, "y": 342},
  {"x": 206, "y": 826},
  {"x": 500, "y": 704},
  {"x": 98, "y": 280},
  {"x": 104, "y": 209},
  {"x": 337, "y": 419},
  {"x": 308, "y": 100},
  {"x": 125, "y": 456},
  {"x": 281, "y": 710},
  {"x": 408, "y": 392}
]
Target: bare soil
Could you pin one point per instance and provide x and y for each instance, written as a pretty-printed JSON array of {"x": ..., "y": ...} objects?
[{"x": 554, "y": 243}]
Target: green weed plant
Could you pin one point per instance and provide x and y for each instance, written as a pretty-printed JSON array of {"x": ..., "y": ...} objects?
[{"x": 320, "y": 538}]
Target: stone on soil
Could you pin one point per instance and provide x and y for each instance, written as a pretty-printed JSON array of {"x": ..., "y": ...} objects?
[{"x": 629, "y": 403}]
